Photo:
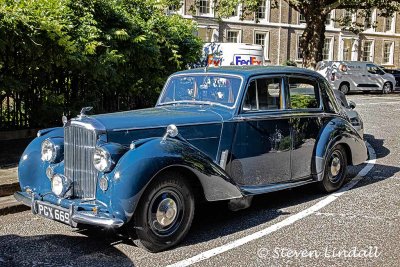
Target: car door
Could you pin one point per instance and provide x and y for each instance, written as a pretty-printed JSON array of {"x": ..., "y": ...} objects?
[
  {"x": 371, "y": 78},
  {"x": 262, "y": 142},
  {"x": 304, "y": 101}
]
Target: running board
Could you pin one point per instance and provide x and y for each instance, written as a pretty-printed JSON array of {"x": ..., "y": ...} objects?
[{"x": 256, "y": 190}]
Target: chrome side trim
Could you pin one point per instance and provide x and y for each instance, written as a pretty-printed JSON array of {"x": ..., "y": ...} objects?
[{"x": 255, "y": 190}]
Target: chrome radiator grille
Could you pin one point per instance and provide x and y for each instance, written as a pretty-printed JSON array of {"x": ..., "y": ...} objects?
[{"x": 79, "y": 147}]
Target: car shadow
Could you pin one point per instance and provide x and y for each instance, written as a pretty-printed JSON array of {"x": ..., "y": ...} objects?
[
  {"x": 61, "y": 250},
  {"x": 380, "y": 150}
]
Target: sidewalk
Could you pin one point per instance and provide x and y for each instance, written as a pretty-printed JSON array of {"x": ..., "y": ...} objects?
[{"x": 8, "y": 186}]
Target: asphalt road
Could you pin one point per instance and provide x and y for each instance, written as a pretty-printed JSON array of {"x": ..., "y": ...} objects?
[{"x": 358, "y": 227}]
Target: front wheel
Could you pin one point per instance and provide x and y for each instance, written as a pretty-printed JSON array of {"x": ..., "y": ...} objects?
[
  {"x": 387, "y": 88},
  {"x": 165, "y": 213},
  {"x": 335, "y": 170}
]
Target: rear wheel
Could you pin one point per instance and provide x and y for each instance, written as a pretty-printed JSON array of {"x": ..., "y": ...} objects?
[
  {"x": 165, "y": 213},
  {"x": 344, "y": 88},
  {"x": 335, "y": 170},
  {"x": 387, "y": 88}
]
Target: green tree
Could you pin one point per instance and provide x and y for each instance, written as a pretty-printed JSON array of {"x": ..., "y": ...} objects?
[
  {"x": 59, "y": 55},
  {"x": 315, "y": 13}
]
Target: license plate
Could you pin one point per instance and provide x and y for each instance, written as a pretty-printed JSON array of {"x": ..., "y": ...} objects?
[{"x": 53, "y": 212}]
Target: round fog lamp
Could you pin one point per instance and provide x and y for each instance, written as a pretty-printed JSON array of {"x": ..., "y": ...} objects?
[
  {"x": 103, "y": 183},
  {"x": 49, "y": 172},
  {"x": 57, "y": 185}
]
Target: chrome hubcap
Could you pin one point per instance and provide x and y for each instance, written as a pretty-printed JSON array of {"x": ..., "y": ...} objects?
[
  {"x": 335, "y": 166},
  {"x": 166, "y": 212}
]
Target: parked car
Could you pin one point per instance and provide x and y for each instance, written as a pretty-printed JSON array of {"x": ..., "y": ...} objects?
[
  {"x": 349, "y": 108},
  {"x": 349, "y": 76},
  {"x": 225, "y": 133},
  {"x": 396, "y": 74}
]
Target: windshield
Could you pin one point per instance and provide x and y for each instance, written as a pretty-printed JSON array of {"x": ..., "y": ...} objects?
[{"x": 201, "y": 89}]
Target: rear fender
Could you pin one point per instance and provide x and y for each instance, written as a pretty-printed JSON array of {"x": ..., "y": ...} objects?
[{"x": 338, "y": 131}]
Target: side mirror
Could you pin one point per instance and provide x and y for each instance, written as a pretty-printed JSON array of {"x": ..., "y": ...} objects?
[{"x": 352, "y": 105}]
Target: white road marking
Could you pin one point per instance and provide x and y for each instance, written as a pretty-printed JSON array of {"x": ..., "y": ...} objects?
[
  {"x": 379, "y": 103},
  {"x": 286, "y": 222}
]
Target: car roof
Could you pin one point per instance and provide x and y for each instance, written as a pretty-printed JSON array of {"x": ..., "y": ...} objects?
[{"x": 248, "y": 71}]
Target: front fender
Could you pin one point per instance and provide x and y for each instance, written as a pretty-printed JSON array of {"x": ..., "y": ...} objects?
[
  {"x": 138, "y": 167},
  {"x": 31, "y": 169},
  {"x": 339, "y": 131}
]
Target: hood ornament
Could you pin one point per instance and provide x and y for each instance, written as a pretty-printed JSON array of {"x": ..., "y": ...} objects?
[{"x": 84, "y": 110}]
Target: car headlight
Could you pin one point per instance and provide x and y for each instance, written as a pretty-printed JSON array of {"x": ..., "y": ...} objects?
[
  {"x": 52, "y": 150},
  {"x": 60, "y": 185},
  {"x": 102, "y": 159}
]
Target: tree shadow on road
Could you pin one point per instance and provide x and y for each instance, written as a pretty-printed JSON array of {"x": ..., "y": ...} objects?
[{"x": 60, "y": 250}]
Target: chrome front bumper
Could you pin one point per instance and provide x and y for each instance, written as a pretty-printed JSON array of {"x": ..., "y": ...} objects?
[{"x": 82, "y": 217}]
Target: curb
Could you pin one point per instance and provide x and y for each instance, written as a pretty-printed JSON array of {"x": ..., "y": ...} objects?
[
  {"x": 9, "y": 189},
  {"x": 10, "y": 205}
]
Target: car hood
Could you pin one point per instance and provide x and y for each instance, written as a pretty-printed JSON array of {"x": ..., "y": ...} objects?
[{"x": 161, "y": 117}]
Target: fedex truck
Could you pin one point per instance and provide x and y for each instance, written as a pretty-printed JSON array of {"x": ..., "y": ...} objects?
[{"x": 225, "y": 54}]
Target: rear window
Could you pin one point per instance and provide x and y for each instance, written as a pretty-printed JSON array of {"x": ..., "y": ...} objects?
[{"x": 303, "y": 93}]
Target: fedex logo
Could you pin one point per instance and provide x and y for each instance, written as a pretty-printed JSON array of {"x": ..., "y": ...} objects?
[{"x": 250, "y": 61}]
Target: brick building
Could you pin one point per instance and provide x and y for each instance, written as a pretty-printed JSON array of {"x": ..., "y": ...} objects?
[{"x": 279, "y": 29}]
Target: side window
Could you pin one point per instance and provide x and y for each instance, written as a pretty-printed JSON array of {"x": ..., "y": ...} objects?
[
  {"x": 263, "y": 94},
  {"x": 303, "y": 93},
  {"x": 373, "y": 69}
]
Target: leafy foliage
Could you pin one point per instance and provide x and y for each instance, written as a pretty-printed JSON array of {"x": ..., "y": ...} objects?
[
  {"x": 59, "y": 55},
  {"x": 315, "y": 13}
]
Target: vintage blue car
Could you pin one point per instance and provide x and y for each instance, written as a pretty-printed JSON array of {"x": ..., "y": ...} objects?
[{"x": 225, "y": 133}]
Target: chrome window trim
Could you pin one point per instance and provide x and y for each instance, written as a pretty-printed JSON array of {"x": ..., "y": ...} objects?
[
  {"x": 312, "y": 78},
  {"x": 283, "y": 94},
  {"x": 159, "y": 104}
]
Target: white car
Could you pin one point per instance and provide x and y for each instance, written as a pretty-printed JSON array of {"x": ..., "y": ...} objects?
[
  {"x": 349, "y": 108},
  {"x": 349, "y": 76}
]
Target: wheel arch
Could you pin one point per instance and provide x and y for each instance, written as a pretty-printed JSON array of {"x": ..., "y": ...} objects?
[{"x": 338, "y": 131}]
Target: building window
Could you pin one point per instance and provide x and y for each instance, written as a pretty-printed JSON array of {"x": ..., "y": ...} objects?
[
  {"x": 232, "y": 36},
  {"x": 367, "y": 50},
  {"x": 262, "y": 38},
  {"x": 328, "y": 20},
  {"x": 327, "y": 51},
  {"x": 299, "y": 54},
  {"x": 261, "y": 12},
  {"x": 388, "y": 53},
  {"x": 347, "y": 17},
  {"x": 370, "y": 19},
  {"x": 204, "y": 7},
  {"x": 302, "y": 18},
  {"x": 389, "y": 24}
]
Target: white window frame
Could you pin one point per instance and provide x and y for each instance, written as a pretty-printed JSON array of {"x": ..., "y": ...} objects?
[
  {"x": 267, "y": 12},
  {"x": 239, "y": 36},
  {"x": 298, "y": 19},
  {"x": 237, "y": 17},
  {"x": 373, "y": 22},
  {"x": 332, "y": 20},
  {"x": 266, "y": 42},
  {"x": 371, "y": 56},
  {"x": 391, "y": 52},
  {"x": 211, "y": 13},
  {"x": 392, "y": 24},
  {"x": 332, "y": 40},
  {"x": 298, "y": 36},
  {"x": 180, "y": 11}
]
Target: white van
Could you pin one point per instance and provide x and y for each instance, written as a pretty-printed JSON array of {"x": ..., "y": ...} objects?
[
  {"x": 225, "y": 54},
  {"x": 349, "y": 76}
]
